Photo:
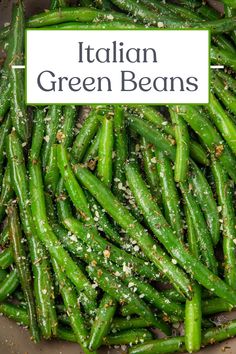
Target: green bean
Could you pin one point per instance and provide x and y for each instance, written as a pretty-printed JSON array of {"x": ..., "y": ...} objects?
[
  {"x": 67, "y": 129},
  {"x": 147, "y": 16},
  {"x": 176, "y": 344},
  {"x": 164, "y": 234},
  {"x": 123, "y": 294},
  {"x": 38, "y": 134},
  {"x": 121, "y": 151},
  {"x": 85, "y": 135},
  {"x": 104, "y": 25},
  {"x": 170, "y": 197},
  {"x": 122, "y": 216},
  {"x": 228, "y": 80},
  {"x": 23, "y": 269},
  {"x": 9, "y": 285},
  {"x": 123, "y": 336},
  {"x": 152, "y": 135},
  {"x": 211, "y": 138},
  {"x": 225, "y": 200},
  {"x": 198, "y": 153},
  {"x": 91, "y": 155},
  {"x": 43, "y": 290},
  {"x": 173, "y": 295},
  {"x": 215, "y": 305},
  {"x": 103, "y": 223},
  {"x": 4, "y": 131},
  {"x": 131, "y": 336},
  {"x": 150, "y": 294},
  {"x": 222, "y": 42},
  {"x": 52, "y": 176},
  {"x": 102, "y": 322},
  {"x": 154, "y": 297},
  {"x": 155, "y": 117},
  {"x": 182, "y": 149},
  {"x": 105, "y": 151},
  {"x": 18, "y": 110},
  {"x": 76, "y": 14},
  {"x": 202, "y": 233},
  {"x": 13, "y": 45},
  {"x": 191, "y": 233},
  {"x": 223, "y": 57},
  {"x": 53, "y": 119},
  {"x": 100, "y": 245},
  {"x": 73, "y": 188},
  {"x": 71, "y": 304},
  {"x": 149, "y": 162},
  {"x": 193, "y": 307},
  {"x": 205, "y": 198},
  {"x": 48, "y": 238},
  {"x": 144, "y": 289},
  {"x": 223, "y": 122},
  {"x": 121, "y": 324},
  {"x": 230, "y": 12},
  {"x": 165, "y": 345},
  {"x": 6, "y": 258},
  {"x": 149, "y": 113},
  {"x": 17, "y": 313},
  {"x": 6, "y": 192},
  {"x": 171, "y": 10}
]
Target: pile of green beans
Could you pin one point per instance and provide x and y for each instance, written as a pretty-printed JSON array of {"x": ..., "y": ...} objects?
[{"x": 123, "y": 222}]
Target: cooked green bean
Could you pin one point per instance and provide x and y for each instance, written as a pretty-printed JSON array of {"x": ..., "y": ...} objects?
[
  {"x": 205, "y": 198},
  {"x": 203, "y": 235},
  {"x": 123, "y": 294},
  {"x": 8, "y": 286},
  {"x": 182, "y": 148},
  {"x": 53, "y": 119},
  {"x": 6, "y": 258},
  {"x": 51, "y": 242},
  {"x": 52, "y": 175},
  {"x": 76, "y": 14},
  {"x": 121, "y": 324},
  {"x": 23, "y": 269},
  {"x": 121, "y": 152},
  {"x": 72, "y": 307},
  {"x": 66, "y": 134},
  {"x": 223, "y": 122},
  {"x": 117, "y": 255},
  {"x": 224, "y": 94},
  {"x": 223, "y": 57},
  {"x": 130, "y": 336},
  {"x": 193, "y": 307},
  {"x": 200, "y": 123},
  {"x": 6, "y": 192},
  {"x": 227, "y": 79},
  {"x": 154, "y": 217},
  {"x": 85, "y": 135},
  {"x": 225, "y": 200},
  {"x": 134, "y": 229},
  {"x": 150, "y": 169},
  {"x": 152, "y": 135},
  {"x": 101, "y": 325},
  {"x": 43, "y": 290},
  {"x": 176, "y": 344},
  {"x": 105, "y": 151},
  {"x": 170, "y": 197}
]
